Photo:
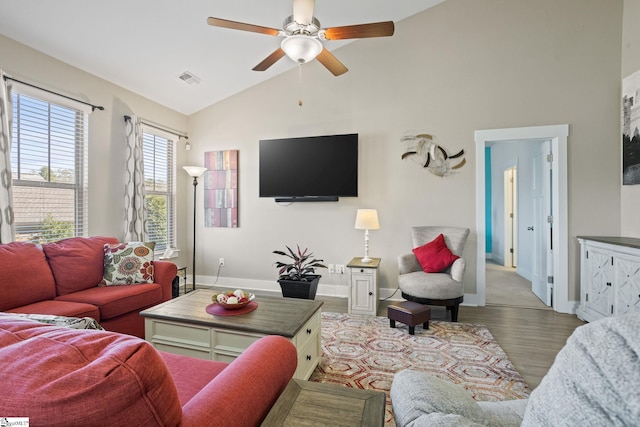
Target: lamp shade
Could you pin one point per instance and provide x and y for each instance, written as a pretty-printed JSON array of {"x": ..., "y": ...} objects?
[
  {"x": 194, "y": 171},
  {"x": 301, "y": 48},
  {"x": 367, "y": 219}
]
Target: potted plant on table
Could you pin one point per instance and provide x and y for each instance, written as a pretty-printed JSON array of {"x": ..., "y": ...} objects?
[{"x": 296, "y": 276}]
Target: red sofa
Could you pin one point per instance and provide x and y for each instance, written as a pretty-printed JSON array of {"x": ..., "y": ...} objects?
[
  {"x": 62, "y": 278},
  {"x": 58, "y": 376}
]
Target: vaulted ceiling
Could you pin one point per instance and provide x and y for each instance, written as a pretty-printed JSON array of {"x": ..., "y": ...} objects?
[{"x": 144, "y": 45}]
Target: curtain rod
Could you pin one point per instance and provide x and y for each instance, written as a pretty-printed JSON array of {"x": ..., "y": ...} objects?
[
  {"x": 172, "y": 132},
  {"x": 93, "y": 107}
]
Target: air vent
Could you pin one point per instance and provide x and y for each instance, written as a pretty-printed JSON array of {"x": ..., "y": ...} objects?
[{"x": 189, "y": 78}]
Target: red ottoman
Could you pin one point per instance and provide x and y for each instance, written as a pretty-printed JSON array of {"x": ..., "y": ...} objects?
[{"x": 410, "y": 313}]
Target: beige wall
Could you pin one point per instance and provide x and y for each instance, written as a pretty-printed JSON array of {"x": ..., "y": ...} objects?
[
  {"x": 630, "y": 201},
  {"x": 459, "y": 67},
  {"x": 106, "y": 128}
]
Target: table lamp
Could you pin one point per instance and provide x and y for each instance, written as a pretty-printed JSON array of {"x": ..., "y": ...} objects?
[{"x": 367, "y": 219}]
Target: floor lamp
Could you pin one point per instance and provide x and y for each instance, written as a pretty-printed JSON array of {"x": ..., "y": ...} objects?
[{"x": 195, "y": 172}]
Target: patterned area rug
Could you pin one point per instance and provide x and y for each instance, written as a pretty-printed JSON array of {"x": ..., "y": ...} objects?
[{"x": 364, "y": 352}]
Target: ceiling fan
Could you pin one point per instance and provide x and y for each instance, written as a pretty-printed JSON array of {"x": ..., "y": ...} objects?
[{"x": 302, "y": 34}]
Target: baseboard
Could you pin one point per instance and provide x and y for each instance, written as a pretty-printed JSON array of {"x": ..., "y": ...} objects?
[
  {"x": 327, "y": 290},
  {"x": 471, "y": 300}
]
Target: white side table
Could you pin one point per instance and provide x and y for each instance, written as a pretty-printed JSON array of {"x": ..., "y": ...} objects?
[{"x": 364, "y": 286}]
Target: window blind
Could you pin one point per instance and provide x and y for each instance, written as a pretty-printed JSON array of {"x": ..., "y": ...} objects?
[
  {"x": 159, "y": 181},
  {"x": 48, "y": 168}
]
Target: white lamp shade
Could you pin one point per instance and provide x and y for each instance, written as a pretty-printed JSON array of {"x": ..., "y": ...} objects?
[
  {"x": 194, "y": 171},
  {"x": 301, "y": 48},
  {"x": 367, "y": 219}
]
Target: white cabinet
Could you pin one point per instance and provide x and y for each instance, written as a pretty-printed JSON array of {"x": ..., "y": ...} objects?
[
  {"x": 609, "y": 277},
  {"x": 364, "y": 286}
]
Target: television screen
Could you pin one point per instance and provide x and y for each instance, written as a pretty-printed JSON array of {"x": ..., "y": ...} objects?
[{"x": 320, "y": 166}]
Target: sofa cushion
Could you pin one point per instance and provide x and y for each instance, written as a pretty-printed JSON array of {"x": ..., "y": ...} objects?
[
  {"x": 128, "y": 263},
  {"x": 60, "y": 308},
  {"x": 435, "y": 256},
  {"x": 83, "y": 377},
  {"x": 113, "y": 301},
  {"x": 439, "y": 285},
  {"x": 77, "y": 263},
  {"x": 25, "y": 276}
]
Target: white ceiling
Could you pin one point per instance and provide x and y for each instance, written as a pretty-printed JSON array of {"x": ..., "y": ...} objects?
[{"x": 143, "y": 45}]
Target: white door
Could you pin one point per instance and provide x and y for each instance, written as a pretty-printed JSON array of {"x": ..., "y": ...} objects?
[
  {"x": 542, "y": 268},
  {"x": 510, "y": 217}
]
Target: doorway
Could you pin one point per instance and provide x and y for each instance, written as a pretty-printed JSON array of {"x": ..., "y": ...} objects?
[
  {"x": 510, "y": 216},
  {"x": 558, "y": 240}
]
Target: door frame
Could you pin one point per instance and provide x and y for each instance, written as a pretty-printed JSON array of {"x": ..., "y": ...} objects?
[{"x": 557, "y": 134}]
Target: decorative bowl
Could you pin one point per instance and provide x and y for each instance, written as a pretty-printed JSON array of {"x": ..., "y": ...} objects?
[{"x": 220, "y": 299}]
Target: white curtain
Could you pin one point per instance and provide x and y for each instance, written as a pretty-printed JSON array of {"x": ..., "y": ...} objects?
[
  {"x": 7, "y": 226},
  {"x": 135, "y": 225}
]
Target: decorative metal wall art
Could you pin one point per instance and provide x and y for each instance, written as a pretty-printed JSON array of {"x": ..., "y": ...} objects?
[{"x": 430, "y": 155}]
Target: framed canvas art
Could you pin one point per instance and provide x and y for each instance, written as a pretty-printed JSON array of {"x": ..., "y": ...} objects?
[
  {"x": 221, "y": 189},
  {"x": 631, "y": 129}
]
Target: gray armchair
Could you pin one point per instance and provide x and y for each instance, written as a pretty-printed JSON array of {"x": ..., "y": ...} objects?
[{"x": 444, "y": 288}]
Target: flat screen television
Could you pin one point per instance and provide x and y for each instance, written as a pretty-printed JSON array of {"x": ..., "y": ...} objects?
[{"x": 318, "y": 168}]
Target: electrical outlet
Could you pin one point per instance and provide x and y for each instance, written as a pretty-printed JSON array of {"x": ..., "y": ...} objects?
[
  {"x": 340, "y": 268},
  {"x": 332, "y": 268},
  {"x": 221, "y": 262}
]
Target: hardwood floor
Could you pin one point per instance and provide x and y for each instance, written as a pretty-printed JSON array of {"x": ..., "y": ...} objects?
[{"x": 531, "y": 338}]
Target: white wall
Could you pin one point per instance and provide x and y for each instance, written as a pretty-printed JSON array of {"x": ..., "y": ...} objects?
[
  {"x": 462, "y": 66},
  {"x": 630, "y": 198},
  {"x": 106, "y": 128},
  {"x": 456, "y": 68}
]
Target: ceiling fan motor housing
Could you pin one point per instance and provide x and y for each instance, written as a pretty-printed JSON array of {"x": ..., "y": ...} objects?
[{"x": 291, "y": 27}]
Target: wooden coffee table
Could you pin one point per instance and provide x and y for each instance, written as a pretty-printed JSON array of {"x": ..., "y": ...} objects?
[
  {"x": 305, "y": 403},
  {"x": 183, "y": 326}
]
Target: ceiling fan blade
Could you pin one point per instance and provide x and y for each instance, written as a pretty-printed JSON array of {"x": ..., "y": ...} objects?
[
  {"x": 376, "y": 29},
  {"x": 303, "y": 11},
  {"x": 332, "y": 64},
  {"x": 233, "y": 25},
  {"x": 269, "y": 60}
]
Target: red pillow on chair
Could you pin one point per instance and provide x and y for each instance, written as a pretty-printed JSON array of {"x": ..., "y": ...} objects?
[{"x": 435, "y": 256}]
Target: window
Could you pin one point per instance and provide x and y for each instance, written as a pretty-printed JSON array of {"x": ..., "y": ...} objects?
[
  {"x": 48, "y": 166},
  {"x": 159, "y": 183}
]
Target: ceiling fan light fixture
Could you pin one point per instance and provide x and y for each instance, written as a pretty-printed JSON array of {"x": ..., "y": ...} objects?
[{"x": 301, "y": 48}]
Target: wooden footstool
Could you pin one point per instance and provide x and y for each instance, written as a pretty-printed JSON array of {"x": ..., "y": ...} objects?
[{"x": 410, "y": 313}]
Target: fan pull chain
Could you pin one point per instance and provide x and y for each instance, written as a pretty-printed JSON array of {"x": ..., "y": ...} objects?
[{"x": 300, "y": 85}]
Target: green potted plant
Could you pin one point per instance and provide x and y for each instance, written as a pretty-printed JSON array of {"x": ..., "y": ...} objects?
[{"x": 296, "y": 276}]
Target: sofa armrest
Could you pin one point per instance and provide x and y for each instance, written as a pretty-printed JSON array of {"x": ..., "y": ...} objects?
[
  {"x": 420, "y": 399},
  {"x": 244, "y": 392},
  {"x": 457, "y": 269},
  {"x": 163, "y": 273},
  {"x": 408, "y": 263}
]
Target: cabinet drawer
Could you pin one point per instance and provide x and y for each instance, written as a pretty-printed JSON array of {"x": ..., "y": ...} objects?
[
  {"x": 308, "y": 358},
  {"x": 365, "y": 271},
  {"x": 310, "y": 330},
  {"x": 230, "y": 342},
  {"x": 179, "y": 334}
]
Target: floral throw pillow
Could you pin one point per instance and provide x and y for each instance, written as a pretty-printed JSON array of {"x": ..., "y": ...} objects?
[{"x": 128, "y": 263}]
